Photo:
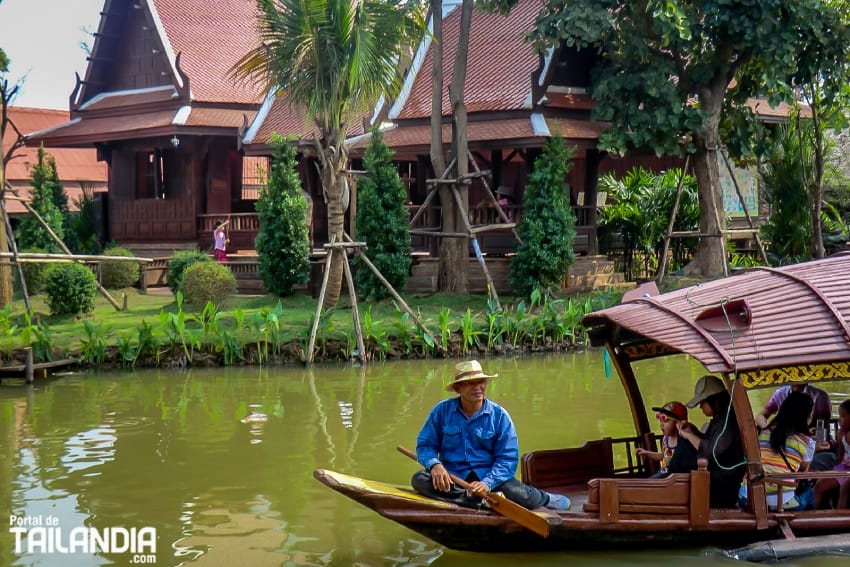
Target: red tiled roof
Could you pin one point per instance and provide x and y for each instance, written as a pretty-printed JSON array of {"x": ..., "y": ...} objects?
[
  {"x": 572, "y": 129},
  {"x": 507, "y": 129},
  {"x": 73, "y": 165},
  {"x": 499, "y": 68},
  {"x": 108, "y": 128},
  {"x": 73, "y": 190},
  {"x": 212, "y": 36},
  {"x": 287, "y": 120},
  {"x": 222, "y": 117}
]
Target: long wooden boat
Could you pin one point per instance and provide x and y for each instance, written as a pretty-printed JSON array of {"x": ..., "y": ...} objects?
[{"x": 761, "y": 328}]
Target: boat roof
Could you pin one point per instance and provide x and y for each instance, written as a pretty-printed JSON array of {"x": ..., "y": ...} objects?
[{"x": 763, "y": 326}]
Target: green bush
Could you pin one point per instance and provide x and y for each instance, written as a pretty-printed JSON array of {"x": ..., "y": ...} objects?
[
  {"x": 382, "y": 222},
  {"x": 547, "y": 226},
  {"x": 70, "y": 289},
  {"x": 179, "y": 263},
  {"x": 283, "y": 243},
  {"x": 35, "y": 274},
  {"x": 116, "y": 275},
  {"x": 207, "y": 281},
  {"x": 47, "y": 195}
]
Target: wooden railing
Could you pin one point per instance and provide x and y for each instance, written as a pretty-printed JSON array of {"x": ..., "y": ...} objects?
[{"x": 243, "y": 228}]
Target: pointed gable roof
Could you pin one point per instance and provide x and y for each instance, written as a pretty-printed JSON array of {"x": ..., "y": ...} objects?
[
  {"x": 211, "y": 36},
  {"x": 499, "y": 69}
]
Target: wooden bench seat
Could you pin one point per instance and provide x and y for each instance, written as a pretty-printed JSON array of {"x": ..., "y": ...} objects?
[
  {"x": 685, "y": 495},
  {"x": 562, "y": 470}
]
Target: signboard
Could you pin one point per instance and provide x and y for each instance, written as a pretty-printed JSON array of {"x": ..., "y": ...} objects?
[{"x": 748, "y": 184}]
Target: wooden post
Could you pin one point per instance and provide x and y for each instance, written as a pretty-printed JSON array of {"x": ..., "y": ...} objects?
[
  {"x": 396, "y": 296},
  {"x": 669, "y": 234},
  {"x": 308, "y": 356},
  {"x": 10, "y": 236},
  {"x": 355, "y": 311},
  {"x": 29, "y": 373},
  {"x": 491, "y": 287},
  {"x": 430, "y": 197}
]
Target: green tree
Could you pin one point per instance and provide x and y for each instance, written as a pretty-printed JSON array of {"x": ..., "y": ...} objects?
[
  {"x": 642, "y": 203},
  {"x": 382, "y": 221},
  {"x": 675, "y": 75},
  {"x": 31, "y": 234},
  {"x": 547, "y": 226},
  {"x": 789, "y": 229},
  {"x": 283, "y": 243},
  {"x": 827, "y": 95},
  {"x": 334, "y": 59}
]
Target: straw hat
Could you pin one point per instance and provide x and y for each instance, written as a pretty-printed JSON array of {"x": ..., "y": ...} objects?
[
  {"x": 466, "y": 371},
  {"x": 706, "y": 387}
]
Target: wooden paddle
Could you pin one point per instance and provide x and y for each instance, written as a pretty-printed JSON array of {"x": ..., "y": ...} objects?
[{"x": 501, "y": 505}]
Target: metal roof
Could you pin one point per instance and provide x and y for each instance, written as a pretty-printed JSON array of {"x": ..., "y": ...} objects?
[{"x": 770, "y": 325}]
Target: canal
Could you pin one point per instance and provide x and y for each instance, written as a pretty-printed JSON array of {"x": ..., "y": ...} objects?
[{"x": 219, "y": 462}]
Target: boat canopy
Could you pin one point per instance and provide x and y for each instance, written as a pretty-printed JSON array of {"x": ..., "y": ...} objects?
[{"x": 763, "y": 326}]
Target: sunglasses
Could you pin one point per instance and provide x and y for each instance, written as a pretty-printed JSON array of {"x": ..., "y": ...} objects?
[{"x": 662, "y": 417}]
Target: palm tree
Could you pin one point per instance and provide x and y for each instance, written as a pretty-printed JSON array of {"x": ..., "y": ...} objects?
[{"x": 334, "y": 59}]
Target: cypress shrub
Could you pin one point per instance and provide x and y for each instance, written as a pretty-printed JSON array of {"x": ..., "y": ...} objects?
[
  {"x": 382, "y": 222},
  {"x": 117, "y": 275},
  {"x": 178, "y": 264},
  {"x": 283, "y": 241},
  {"x": 207, "y": 281},
  {"x": 45, "y": 188},
  {"x": 547, "y": 226},
  {"x": 70, "y": 289}
]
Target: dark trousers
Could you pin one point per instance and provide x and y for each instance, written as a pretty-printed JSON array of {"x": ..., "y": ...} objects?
[{"x": 514, "y": 490}]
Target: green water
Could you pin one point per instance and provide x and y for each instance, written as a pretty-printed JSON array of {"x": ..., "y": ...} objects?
[{"x": 219, "y": 462}]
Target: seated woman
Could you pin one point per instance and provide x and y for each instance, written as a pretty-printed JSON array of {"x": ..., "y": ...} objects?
[
  {"x": 720, "y": 444},
  {"x": 785, "y": 446}
]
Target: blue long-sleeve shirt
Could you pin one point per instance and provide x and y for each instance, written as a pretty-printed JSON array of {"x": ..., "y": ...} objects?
[{"x": 485, "y": 443}]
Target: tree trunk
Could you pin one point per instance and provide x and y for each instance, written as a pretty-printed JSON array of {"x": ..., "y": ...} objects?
[
  {"x": 710, "y": 259},
  {"x": 333, "y": 159},
  {"x": 5, "y": 268},
  {"x": 816, "y": 193},
  {"x": 6, "y": 95},
  {"x": 452, "y": 275}
]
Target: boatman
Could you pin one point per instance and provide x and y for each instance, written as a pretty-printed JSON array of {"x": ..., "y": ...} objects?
[{"x": 474, "y": 439}]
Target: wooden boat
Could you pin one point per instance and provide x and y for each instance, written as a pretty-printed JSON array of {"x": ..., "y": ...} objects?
[{"x": 761, "y": 328}]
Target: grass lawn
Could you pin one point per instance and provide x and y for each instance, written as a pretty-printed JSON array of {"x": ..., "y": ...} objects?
[{"x": 67, "y": 331}]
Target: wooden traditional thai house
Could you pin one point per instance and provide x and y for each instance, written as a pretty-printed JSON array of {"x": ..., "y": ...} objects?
[{"x": 158, "y": 103}]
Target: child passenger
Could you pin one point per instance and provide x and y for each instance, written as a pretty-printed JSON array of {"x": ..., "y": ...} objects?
[
  {"x": 675, "y": 457},
  {"x": 825, "y": 485}
]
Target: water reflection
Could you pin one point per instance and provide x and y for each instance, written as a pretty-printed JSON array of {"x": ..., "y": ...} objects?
[{"x": 220, "y": 461}]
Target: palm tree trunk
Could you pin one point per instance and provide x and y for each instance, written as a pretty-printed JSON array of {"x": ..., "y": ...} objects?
[{"x": 333, "y": 159}]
